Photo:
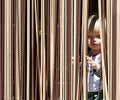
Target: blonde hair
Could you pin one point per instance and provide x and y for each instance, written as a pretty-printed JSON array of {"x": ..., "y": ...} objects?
[{"x": 93, "y": 25}]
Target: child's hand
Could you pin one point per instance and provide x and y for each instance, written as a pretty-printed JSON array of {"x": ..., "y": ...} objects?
[{"x": 92, "y": 62}]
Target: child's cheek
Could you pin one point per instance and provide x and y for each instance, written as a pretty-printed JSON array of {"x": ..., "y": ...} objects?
[
  {"x": 98, "y": 40},
  {"x": 88, "y": 41}
]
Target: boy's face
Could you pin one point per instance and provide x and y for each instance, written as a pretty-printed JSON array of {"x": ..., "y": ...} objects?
[{"x": 94, "y": 41}]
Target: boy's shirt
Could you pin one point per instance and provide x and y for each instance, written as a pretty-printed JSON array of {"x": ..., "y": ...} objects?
[{"x": 94, "y": 81}]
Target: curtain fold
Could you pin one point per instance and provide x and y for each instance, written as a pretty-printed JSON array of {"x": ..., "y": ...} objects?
[{"x": 43, "y": 48}]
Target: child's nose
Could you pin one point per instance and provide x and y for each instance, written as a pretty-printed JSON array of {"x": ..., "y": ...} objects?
[{"x": 93, "y": 38}]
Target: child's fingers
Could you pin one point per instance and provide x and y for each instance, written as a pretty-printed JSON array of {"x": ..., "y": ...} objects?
[
  {"x": 88, "y": 59},
  {"x": 91, "y": 61}
]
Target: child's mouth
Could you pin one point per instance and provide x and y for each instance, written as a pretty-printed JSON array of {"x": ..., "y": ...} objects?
[{"x": 94, "y": 44}]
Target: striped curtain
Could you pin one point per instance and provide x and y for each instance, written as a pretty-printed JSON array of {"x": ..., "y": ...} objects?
[{"x": 43, "y": 47}]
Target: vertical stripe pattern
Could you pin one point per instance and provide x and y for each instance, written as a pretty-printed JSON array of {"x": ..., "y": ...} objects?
[{"x": 43, "y": 48}]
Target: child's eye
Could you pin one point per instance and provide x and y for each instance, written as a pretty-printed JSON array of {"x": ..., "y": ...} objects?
[
  {"x": 98, "y": 36},
  {"x": 89, "y": 37}
]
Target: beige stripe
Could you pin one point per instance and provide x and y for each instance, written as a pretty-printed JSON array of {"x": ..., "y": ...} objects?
[
  {"x": 74, "y": 51},
  {"x": 109, "y": 50},
  {"x": 102, "y": 20},
  {"x": 18, "y": 31},
  {"x": 7, "y": 63},
  {"x": 43, "y": 44},
  {"x": 62, "y": 53},
  {"x": 19, "y": 22},
  {"x": 52, "y": 45},
  {"x": 28, "y": 52},
  {"x": 84, "y": 44}
]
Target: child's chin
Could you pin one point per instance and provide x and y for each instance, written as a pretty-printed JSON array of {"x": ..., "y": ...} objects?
[{"x": 96, "y": 48}]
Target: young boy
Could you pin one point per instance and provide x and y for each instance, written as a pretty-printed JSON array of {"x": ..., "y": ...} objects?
[{"x": 95, "y": 87}]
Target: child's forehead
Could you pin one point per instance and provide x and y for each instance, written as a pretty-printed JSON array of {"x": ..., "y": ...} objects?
[{"x": 93, "y": 34}]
